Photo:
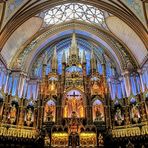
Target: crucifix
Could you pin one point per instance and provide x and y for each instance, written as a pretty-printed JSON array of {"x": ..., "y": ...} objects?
[
  {"x": 74, "y": 95},
  {"x": 74, "y": 101}
]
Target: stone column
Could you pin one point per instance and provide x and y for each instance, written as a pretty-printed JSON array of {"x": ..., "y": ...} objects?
[
  {"x": 7, "y": 80},
  {"x": 2, "y": 73},
  {"x": 126, "y": 78},
  {"x": 140, "y": 72},
  {"x": 134, "y": 77},
  {"x": 13, "y": 76},
  {"x": 21, "y": 84},
  {"x": 122, "y": 86}
]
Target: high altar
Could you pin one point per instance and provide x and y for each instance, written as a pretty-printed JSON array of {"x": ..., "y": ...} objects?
[{"x": 73, "y": 103}]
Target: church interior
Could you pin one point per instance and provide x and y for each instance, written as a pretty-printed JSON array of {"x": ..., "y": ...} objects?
[{"x": 74, "y": 73}]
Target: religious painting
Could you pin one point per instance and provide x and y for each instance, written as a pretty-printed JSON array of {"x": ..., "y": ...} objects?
[
  {"x": 98, "y": 111},
  {"x": 74, "y": 105},
  {"x": 49, "y": 111}
]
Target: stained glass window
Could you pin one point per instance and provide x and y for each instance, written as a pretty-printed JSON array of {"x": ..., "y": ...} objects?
[{"x": 74, "y": 11}]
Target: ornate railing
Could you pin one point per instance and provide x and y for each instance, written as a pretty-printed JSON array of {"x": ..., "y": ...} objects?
[
  {"x": 6, "y": 130},
  {"x": 131, "y": 131}
]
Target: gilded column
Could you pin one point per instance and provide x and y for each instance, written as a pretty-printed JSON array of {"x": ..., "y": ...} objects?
[
  {"x": 126, "y": 113},
  {"x": 21, "y": 113},
  {"x": 7, "y": 99},
  {"x": 35, "y": 118},
  {"x": 5, "y": 109}
]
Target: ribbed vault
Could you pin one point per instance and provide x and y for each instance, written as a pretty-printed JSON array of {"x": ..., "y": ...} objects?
[{"x": 111, "y": 45}]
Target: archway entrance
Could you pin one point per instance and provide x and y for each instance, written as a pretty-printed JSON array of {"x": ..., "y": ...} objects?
[{"x": 73, "y": 105}]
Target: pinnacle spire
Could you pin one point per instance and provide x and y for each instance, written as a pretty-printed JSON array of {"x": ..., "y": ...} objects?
[
  {"x": 54, "y": 61},
  {"x": 83, "y": 57},
  {"x": 74, "y": 48},
  {"x": 73, "y": 43},
  {"x": 93, "y": 61},
  {"x": 74, "y": 52},
  {"x": 64, "y": 57},
  {"x": 92, "y": 53},
  {"x": 45, "y": 59}
]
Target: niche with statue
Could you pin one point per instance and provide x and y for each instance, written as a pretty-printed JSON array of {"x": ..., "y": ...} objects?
[
  {"x": 98, "y": 111},
  {"x": 118, "y": 114},
  {"x": 29, "y": 114},
  {"x": 49, "y": 111},
  {"x": 134, "y": 111},
  {"x": 12, "y": 117}
]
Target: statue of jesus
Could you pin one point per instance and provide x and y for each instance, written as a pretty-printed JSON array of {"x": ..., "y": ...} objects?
[{"x": 74, "y": 104}]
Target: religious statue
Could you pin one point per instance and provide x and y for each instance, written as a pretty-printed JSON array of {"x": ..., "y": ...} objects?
[
  {"x": 118, "y": 116},
  {"x": 49, "y": 113},
  {"x": 135, "y": 115},
  {"x": 66, "y": 108},
  {"x": 74, "y": 104},
  {"x": 81, "y": 109},
  {"x": 13, "y": 112},
  {"x": 95, "y": 88},
  {"x": 100, "y": 140},
  {"x": 29, "y": 117},
  {"x": 52, "y": 88},
  {"x": 47, "y": 141},
  {"x": 99, "y": 116}
]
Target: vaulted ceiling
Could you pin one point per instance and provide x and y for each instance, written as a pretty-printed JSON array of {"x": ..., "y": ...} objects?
[{"x": 29, "y": 27}]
